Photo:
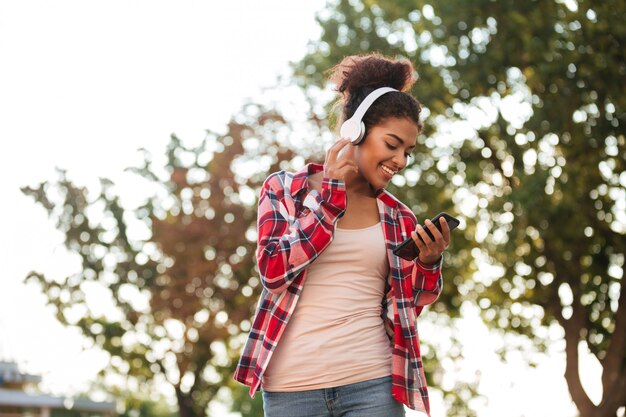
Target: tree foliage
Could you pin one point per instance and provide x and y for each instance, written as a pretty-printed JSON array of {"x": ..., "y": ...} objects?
[
  {"x": 526, "y": 109},
  {"x": 524, "y": 141},
  {"x": 177, "y": 270}
]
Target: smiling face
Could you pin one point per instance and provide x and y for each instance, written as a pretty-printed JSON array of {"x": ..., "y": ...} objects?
[{"x": 385, "y": 150}]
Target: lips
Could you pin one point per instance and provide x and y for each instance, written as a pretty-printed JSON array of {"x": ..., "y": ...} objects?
[{"x": 390, "y": 172}]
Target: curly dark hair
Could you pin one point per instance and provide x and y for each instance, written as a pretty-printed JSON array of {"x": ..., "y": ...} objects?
[{"x": 358, "y": 75}]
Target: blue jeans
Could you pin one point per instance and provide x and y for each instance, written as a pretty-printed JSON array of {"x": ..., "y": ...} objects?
[{"x": 364, "y": 399}]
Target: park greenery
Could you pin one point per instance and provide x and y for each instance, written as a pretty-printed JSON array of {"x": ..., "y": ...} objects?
[{"x": 525, "y": 105}]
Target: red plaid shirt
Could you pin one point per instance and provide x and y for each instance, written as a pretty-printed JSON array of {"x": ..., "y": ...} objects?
[{"x": 295, "y": 225}]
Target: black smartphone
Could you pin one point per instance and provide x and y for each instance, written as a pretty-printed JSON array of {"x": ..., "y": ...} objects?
[{"x": 408, "y": 249}]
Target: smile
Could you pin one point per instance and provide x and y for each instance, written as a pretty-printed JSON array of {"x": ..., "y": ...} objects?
[{"x": 389, "y": 170}]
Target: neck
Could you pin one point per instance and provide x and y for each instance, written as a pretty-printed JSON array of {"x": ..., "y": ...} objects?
[{"x": 356, "y": 185}]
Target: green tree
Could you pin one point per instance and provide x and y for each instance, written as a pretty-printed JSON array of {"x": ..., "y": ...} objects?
[
  {"x": 178, "y": 270},
  {"x": 524, "y": 138}
]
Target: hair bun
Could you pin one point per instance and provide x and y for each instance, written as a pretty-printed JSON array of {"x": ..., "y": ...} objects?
[
  {"x": 358, "y": 72},
  {"x": 357, "y": 76}
]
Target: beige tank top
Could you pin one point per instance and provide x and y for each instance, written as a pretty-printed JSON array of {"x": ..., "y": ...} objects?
[{"x": 336, "y": 335}]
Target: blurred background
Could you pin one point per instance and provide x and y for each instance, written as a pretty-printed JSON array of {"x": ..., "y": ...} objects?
[{"x": 135, "y": 137}]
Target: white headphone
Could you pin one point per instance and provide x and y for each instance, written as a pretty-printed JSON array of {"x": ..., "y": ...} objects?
[{"x": 354, "y": 128}]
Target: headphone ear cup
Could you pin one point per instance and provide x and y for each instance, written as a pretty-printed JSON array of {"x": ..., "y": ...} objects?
[
  {"x": 359, "y": 139},
  {"x": 352, "y": 130}
]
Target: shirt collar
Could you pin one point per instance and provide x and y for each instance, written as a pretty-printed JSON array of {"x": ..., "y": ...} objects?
[
  {"x": 300, "y": 179},
  {"x": 300, "y": 183}
]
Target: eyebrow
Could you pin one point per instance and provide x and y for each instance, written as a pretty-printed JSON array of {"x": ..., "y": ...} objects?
[{"x": 399, "y": 139}]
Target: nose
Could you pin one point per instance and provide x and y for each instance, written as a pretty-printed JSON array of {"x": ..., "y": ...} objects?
[{"x": 399, "y": 160}]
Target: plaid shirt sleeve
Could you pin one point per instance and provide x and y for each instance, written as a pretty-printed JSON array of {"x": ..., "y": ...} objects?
[
  {"x": 288, "y": 241},
  {"x": 426, "y": 279},
  {"x": 427, "y": 282}
]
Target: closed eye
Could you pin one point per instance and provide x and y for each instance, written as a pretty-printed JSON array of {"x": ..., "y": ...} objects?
[{"x": 393, "y": 148}]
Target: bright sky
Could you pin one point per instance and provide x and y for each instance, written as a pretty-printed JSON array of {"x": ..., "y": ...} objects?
[{"x": 85, "y": 83}]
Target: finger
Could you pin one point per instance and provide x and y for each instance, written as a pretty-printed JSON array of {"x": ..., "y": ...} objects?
[
  {"x": 445, "y": 230},
  {"x": 347, "y": 152},
  {"x": 345, "y": 162},
  {"x": 348, "y": 168},
  {"x": 334, "y": 145},
  {"x": 422, "y": 233},
  {"x": 433, "y": 229},
  {"x": 345, "y": 165},
  {"x": 331, "y": 155},
  {"x": 418, "y": 242},
  {"x": 351, "y": 167},
  {"x": 438, "y": 244}
]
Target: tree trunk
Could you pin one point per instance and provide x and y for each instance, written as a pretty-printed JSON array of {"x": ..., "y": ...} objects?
[
  {"x": 614, "y": 395},
  {"x": 613, "y": 369},
  {"x": 572, "y": 329},
  {"x": 185, "y": 404},
  {"x": 613, "y": 372}
]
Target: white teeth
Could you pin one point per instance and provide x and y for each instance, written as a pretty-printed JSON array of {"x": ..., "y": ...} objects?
[{"x": 389, "y": 171}]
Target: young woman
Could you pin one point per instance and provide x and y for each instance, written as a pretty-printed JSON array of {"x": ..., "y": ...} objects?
[{"x": 335, "y": 329}]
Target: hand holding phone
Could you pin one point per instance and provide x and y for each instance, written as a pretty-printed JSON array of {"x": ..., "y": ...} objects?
[{"x": 408, "y": 249}]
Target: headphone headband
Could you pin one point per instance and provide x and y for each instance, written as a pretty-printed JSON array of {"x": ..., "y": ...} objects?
[{"x": 369, "y": 100}]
